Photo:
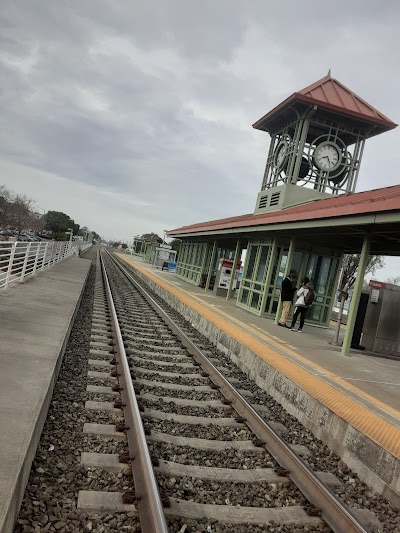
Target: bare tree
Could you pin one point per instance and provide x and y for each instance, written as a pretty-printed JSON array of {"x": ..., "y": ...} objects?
[
  {"x": 350, "y": 268},
  {"x": 5, "y": 206},
  {"x": 21, "y": 215},
  {"x": 395, "y": 280}
]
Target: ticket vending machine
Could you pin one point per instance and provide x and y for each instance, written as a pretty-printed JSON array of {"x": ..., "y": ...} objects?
[{"x": 223, "y": 276}]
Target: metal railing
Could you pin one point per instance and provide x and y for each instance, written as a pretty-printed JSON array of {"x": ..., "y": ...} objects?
[
  {"x": 21, "y": 259},
  {"x": 84, "y": 247}
]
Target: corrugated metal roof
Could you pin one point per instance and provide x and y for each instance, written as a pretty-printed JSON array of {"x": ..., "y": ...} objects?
[
  {"x": 330, "y": 91},
  {"x": 331, "y": 94},
  {"x": 374, "y": 201}
]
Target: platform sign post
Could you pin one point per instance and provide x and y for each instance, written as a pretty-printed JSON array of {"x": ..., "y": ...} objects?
[
  {"x": 355, "y": 299},
  {"x": 235, "y": 261},
  {"x": 287, "y": 271},
  {"x": 214, "y": 251}
]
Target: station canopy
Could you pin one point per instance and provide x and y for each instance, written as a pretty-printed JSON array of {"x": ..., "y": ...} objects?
[{"x": 340, "y": 222}]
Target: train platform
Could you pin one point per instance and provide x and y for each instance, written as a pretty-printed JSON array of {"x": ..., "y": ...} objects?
[
  {"x": 350, "y": 403},
  {"x": 36, "y": 318}
]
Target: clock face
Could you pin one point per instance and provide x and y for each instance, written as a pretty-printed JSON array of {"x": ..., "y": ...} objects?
[
  {"x": 281, "y": 154},
  {"x": 327, "y": 156}
]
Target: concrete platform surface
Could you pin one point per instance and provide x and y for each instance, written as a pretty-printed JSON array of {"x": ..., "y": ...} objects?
[
  {"x": 350, "y": 403},
  {"x": 36, "y": 318}
]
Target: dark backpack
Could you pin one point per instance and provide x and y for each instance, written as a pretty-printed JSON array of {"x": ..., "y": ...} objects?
[{"x": 309, "y": 297}]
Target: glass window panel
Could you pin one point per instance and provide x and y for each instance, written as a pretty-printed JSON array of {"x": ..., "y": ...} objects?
[
  {"x": 244, "y": 296},
  {"x": 250, "y": 265},
  {"x": 325, "y": 314},
  {"x": 312, "y": 267},
  {"x": 254, "y": 300},
  {"x": 281, "y": 271},
  {"x": 257, "y": 286},
  {"x": 296, "y": 263},
  {"x": 332, "y": 276},
  {"x": 262, "y": 264},
  {"x": 321, "y": 282},
  {"x": 315, "y": 312},
  {"x": 274, "y": 306},
  {"x": 275, "y": 267}
]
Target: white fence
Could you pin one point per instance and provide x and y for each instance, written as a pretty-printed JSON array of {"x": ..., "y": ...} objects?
[
  {"x": 21, "y": 259},
  {"x": 84, "y": 247}
]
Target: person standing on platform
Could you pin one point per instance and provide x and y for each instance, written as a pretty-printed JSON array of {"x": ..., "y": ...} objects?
[
  {"x": 287, "y": 293},
  {"x": 305, "y": 298}
]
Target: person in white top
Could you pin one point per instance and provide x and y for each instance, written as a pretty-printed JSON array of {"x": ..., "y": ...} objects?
[{"x": 305, "y": 297}]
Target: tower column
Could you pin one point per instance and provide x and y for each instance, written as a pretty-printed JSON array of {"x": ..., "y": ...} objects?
[{"x": 302, "y": 142}]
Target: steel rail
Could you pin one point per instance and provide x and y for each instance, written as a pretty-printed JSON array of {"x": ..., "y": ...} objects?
[
  {"x": 150, "y": 509},
  {"x": 333, "y": 511}
]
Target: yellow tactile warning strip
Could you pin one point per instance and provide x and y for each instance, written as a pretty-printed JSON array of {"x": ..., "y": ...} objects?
[
  {"x": 358, "y": 416},
  {"x": 288, "y": 349}
]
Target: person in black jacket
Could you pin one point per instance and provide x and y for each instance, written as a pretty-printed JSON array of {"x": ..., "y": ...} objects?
[{"x": 287, "y": 293}]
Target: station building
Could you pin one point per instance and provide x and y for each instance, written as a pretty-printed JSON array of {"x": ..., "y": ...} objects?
[{"x": 307, "y": 213}]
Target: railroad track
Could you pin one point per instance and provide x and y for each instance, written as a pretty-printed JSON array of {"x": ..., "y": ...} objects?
[{"x": 199, "y": 451}]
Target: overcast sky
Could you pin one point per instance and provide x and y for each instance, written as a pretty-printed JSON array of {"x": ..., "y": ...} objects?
[{"x": 135, "y": 116}]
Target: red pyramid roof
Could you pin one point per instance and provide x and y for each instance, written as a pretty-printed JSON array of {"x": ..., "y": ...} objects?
[
  {"x": 331, "y": 94},
  {"x": 330, "y": 91}
]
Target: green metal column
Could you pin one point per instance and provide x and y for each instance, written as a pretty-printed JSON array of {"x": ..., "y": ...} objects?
[
  {"x": 287, "y": 271},
  {"x": 203, "y": 262},
  {"x": 355, "y": 298},
  {"x": 335, "y": 284},
  {"x": 269, "y": 274},
  {"x": 213, "y": 254},
  {"x": 235, "y": 260}
]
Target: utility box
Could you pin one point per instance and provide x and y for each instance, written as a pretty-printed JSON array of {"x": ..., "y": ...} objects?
[
  {"x": 223, "y": 276},
  {"x": 381, "y": 331}
]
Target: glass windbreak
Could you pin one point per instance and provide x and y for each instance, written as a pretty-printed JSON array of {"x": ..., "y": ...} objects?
[
  {"x": 262, "y": 263},
  {"x": 281, "y": 271},
  {"x": 190, "y": 265},
  {"x": 279, "y": 261},
  {"x": 250, "y": 264},
  {"x": 320, "y": 268},
  {"x": 296, "y": 264},
  {"x": 253, "y": 282}
]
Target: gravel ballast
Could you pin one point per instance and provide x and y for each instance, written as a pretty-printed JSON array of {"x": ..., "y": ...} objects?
[
  {"x": 57, "y": 476},
  {"x": 354, "y": 492}
]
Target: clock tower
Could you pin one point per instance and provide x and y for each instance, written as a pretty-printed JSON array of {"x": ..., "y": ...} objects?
[{"x": 317, "y": 141}]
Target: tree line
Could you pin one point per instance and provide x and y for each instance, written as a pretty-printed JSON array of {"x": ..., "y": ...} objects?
[{"x": 18, "y": 213}]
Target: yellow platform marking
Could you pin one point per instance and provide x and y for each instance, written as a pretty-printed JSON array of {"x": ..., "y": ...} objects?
[{"x": 358, "y": 416}]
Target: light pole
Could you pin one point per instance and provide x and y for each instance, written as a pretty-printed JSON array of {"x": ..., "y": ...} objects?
[
  {"x": 70, "y": 232},
  {"x": 43, "y": 217}
]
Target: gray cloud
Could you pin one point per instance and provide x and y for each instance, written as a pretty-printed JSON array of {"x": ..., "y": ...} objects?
[{"x": 136, "y": 116}]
